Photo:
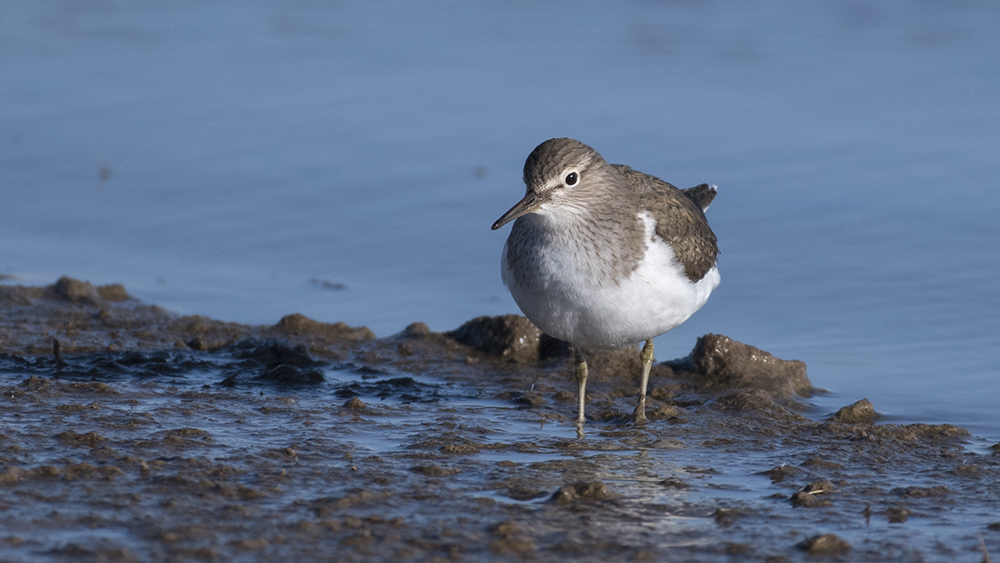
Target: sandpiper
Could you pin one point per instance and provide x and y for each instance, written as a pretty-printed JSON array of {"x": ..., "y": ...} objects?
[{"x": 604, "y": 256}]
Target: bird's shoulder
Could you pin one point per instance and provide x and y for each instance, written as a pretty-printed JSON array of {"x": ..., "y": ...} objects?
[{"x": 658, "y": 196}]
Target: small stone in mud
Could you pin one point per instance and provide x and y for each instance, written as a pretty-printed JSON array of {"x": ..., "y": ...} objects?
[
  {"x": 968, "y": 470},
  {"x": 723, "y": 363},
  {"x": 564, "y": 396},
  {"x": 508, "y": 528},
  {"x": 819, "y": 487},
  {"x": 666, "y": 444},
  {"x": 186, "y": 437},
  {"x": 355, "y": 404},
  {"x": 113, "y": 292},
  {"x": 509, "y": 336},
  {"x": 826, "y": 544},
  {"x": 663, "y": 412},
  {"x": 11, "y": 476},
  {"x": 75, "y": 291},
  {"x": 664, "y": 392},
  {"x": 808, "y": 496},
  {"x": 98, "y": 387},
  {"x": 861, "y": 412},
  {"x": 416, "y": 330},
  {"x": 35, "y": 382},
  {"x": 44, "y": 472},
  {"x": 299, "y": 324},
  {"x": 897, "y": 514},
  {"x": 593, "y": 490},
  {"x": 461, "y": 448}
]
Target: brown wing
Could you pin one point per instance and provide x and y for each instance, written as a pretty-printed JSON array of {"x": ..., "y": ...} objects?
[{"x": 680, "y": 220}]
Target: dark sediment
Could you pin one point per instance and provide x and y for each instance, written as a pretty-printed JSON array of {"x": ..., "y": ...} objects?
[{"x": 151, "y": 436}]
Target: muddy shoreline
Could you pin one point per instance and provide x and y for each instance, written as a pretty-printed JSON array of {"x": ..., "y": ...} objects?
[{"x": 131, "y": 433}]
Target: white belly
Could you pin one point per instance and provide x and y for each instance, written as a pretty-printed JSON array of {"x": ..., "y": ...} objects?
[{"x": 568, "y": 303}]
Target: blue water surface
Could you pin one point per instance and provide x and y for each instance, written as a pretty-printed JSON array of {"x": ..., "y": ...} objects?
[{"x": 246, "y": 160}]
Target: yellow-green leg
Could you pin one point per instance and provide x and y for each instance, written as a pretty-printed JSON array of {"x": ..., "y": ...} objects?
[
  {"x": 581, "y": 381},
  {"x": 647, "y": 363}
]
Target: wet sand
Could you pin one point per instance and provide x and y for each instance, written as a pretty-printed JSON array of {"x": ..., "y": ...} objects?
[{"x": 133, "y": 434}]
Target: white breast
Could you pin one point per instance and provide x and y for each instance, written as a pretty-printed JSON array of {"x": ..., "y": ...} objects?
[{"x": 566, "y": 301}]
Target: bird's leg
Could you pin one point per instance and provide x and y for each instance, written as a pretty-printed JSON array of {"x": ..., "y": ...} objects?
[
  {"x": 647, "y": 362},
  {"x": 581, "y": 380}
]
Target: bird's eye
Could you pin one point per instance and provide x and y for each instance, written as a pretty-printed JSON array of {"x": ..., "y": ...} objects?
[{"x": 572, "y": 178}]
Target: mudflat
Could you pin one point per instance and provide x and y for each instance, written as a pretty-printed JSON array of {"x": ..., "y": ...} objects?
[{"x": 129, "y": 433}]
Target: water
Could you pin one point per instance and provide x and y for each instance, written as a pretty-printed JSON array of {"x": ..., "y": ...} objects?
[{"x": 229, "y": 158}]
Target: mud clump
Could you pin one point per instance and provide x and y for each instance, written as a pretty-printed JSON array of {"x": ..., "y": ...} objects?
[
  {"x": 416, "y": 330},
  {"x": 511, "y": 337},
  {"x": 72, "y": 438},
  {"x": 861, "y": 412},
  {"x": 814, "y": 495},
  {"x": 897, "y": 514},
  {"x": 576, "y": 492},
  {"x": 75, "y": 291},
  {"x": 355, "y": 404},
  {"x": 718, "y": 362},
  {"x": 298, "y": 324},
  {"x": 826, "y": 544}
]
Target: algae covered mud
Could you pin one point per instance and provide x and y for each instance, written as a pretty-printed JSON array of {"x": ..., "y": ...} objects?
[{"x": 128, "y": 433}]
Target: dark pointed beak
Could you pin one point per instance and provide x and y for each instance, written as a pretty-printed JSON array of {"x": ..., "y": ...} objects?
[{"x": 528, "y": 204}]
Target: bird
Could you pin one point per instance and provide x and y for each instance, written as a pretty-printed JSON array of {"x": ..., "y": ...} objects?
[{"x": 604, "y": 257}]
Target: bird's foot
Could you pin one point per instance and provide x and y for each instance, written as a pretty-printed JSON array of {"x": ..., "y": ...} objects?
[{"x": 639, "y": 416}]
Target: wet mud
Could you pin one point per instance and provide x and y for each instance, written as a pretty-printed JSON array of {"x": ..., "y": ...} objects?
[{"x": 128, "y": 433}]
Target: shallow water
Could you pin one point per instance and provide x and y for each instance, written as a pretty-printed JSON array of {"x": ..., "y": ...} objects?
[{"x": 243, "y": 160}]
